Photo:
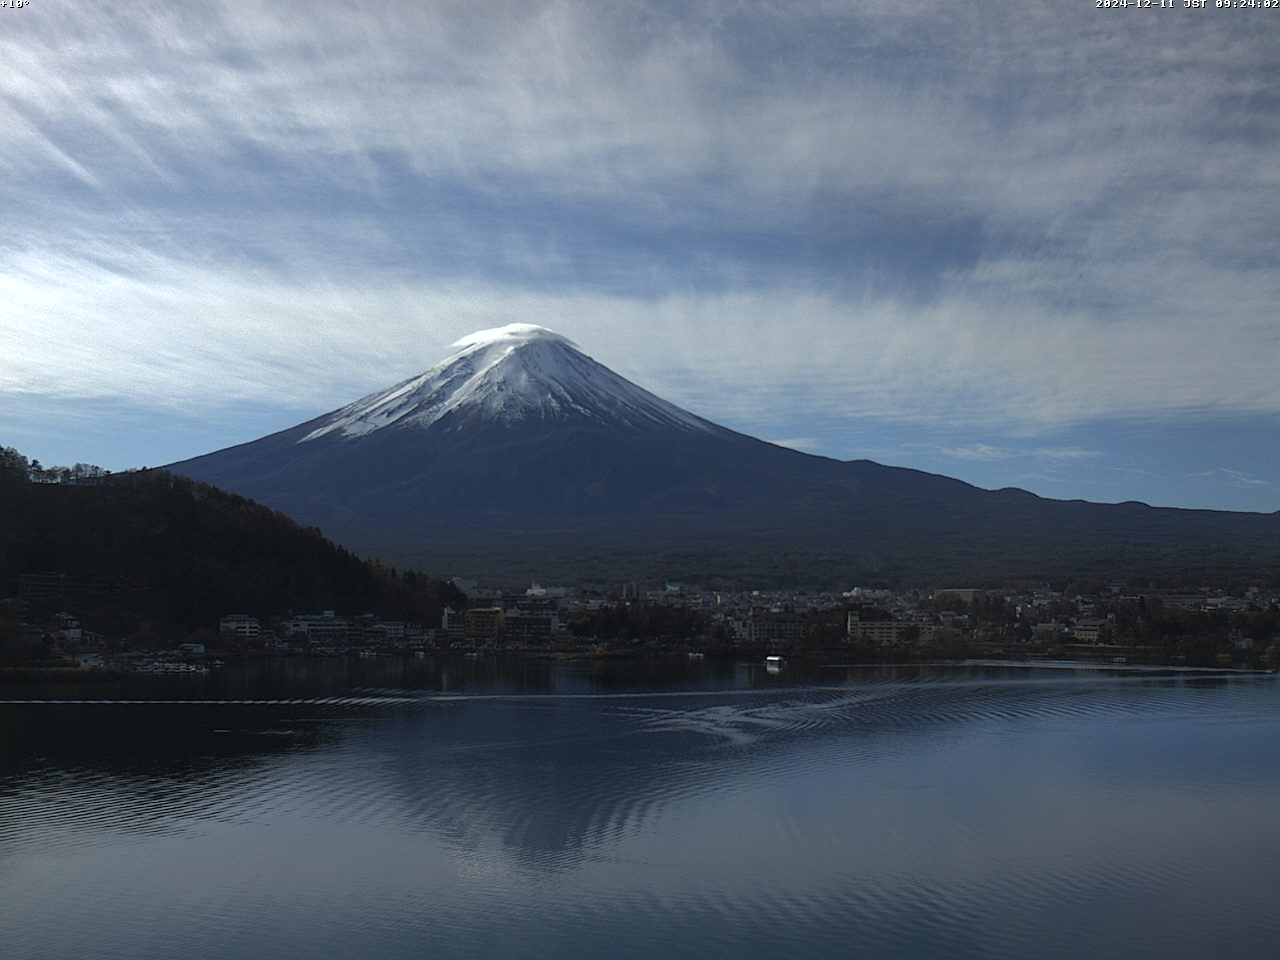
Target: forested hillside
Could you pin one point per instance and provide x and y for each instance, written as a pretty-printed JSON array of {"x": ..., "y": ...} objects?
[{"x": 151, "y": 548}]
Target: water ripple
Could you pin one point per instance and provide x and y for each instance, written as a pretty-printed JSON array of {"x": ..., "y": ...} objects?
[{"x": 941, "y": 815}]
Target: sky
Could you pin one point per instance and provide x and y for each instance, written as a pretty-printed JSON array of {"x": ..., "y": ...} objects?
[{"x": 1028, "y": 244}]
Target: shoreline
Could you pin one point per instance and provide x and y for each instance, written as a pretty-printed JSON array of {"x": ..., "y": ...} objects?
[{"x": 830, "y": 660}]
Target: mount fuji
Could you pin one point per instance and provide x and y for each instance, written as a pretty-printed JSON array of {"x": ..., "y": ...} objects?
[
  {"x": 521, "y": 455},
  {"x": 517, "y": 374}
]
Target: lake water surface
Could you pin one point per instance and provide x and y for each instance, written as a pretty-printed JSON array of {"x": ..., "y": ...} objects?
[{"x": 515, "y": 808}]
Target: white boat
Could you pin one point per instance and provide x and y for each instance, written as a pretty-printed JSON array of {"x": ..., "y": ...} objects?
[{"x": 774, "y": 660}]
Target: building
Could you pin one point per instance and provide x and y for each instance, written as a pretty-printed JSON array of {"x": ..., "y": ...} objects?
[
  {"x": 239, "y": 626},
  {"x": 327, "y": 629},
  {"x": 1048, "y": 631},
  {"x": 774, "y": 626},
  {"x": 69, "y": 626},
  {"x": 484, "y": 623},
  {"x": 554, "y": 593},
  {"x": 635, "y": 591},
  {"x": 533, "y": 618},
  {"x": 394, "y": 630},
  {"x": 531, "y": 627},
  {"x": 1088, "y": 630},
  {"x": 452, "y": 627},
  {"x": 887, "y": 633}
]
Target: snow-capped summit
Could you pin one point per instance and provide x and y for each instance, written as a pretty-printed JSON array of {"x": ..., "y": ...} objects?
[
  {"x": 512, "y": 333},
  {"x": 518, "y": 373}
]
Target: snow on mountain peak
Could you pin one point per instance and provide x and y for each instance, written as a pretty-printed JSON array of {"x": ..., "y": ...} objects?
[
  {"x": 512, "y": 333},
  {"x": 518, "y": 373}
]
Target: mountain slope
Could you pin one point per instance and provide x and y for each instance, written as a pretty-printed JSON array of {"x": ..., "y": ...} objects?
[
  {"x": 519, "y": 453},
  {"x": 518, "y": 374}
]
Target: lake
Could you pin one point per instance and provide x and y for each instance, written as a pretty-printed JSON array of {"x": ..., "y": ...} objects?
[{"x": 503, "y": 807}]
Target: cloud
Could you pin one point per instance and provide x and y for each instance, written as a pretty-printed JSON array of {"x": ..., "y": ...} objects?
[
  {"x": 799, "y": 443},
  {"x": 1233, "y": 477},
  {"x": 984, "y": 451},
  {"x": 924, "y": 213},
  {"x": 176, "y": 332}
]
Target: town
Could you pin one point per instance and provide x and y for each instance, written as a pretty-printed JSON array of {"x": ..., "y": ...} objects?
[{"x": 1115, "y": 623}]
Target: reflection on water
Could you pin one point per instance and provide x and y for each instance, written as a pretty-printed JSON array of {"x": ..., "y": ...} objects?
[{"x": 518, "y": 808}]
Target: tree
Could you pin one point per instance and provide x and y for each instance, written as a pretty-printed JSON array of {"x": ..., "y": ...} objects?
[{"x": 14, "y": 467}]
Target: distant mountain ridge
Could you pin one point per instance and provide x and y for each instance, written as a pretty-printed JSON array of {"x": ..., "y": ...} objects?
[{"x": 520, "y": 454}]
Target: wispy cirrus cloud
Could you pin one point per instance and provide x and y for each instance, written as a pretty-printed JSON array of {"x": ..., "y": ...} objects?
[
  {"x": 178, "y": 332},
  {"x": 923, "y": 214},
  {"x": 1234, "y": 477},
  {"x": 806, "y": 444},
  {"x": 985, "y": 451}
]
